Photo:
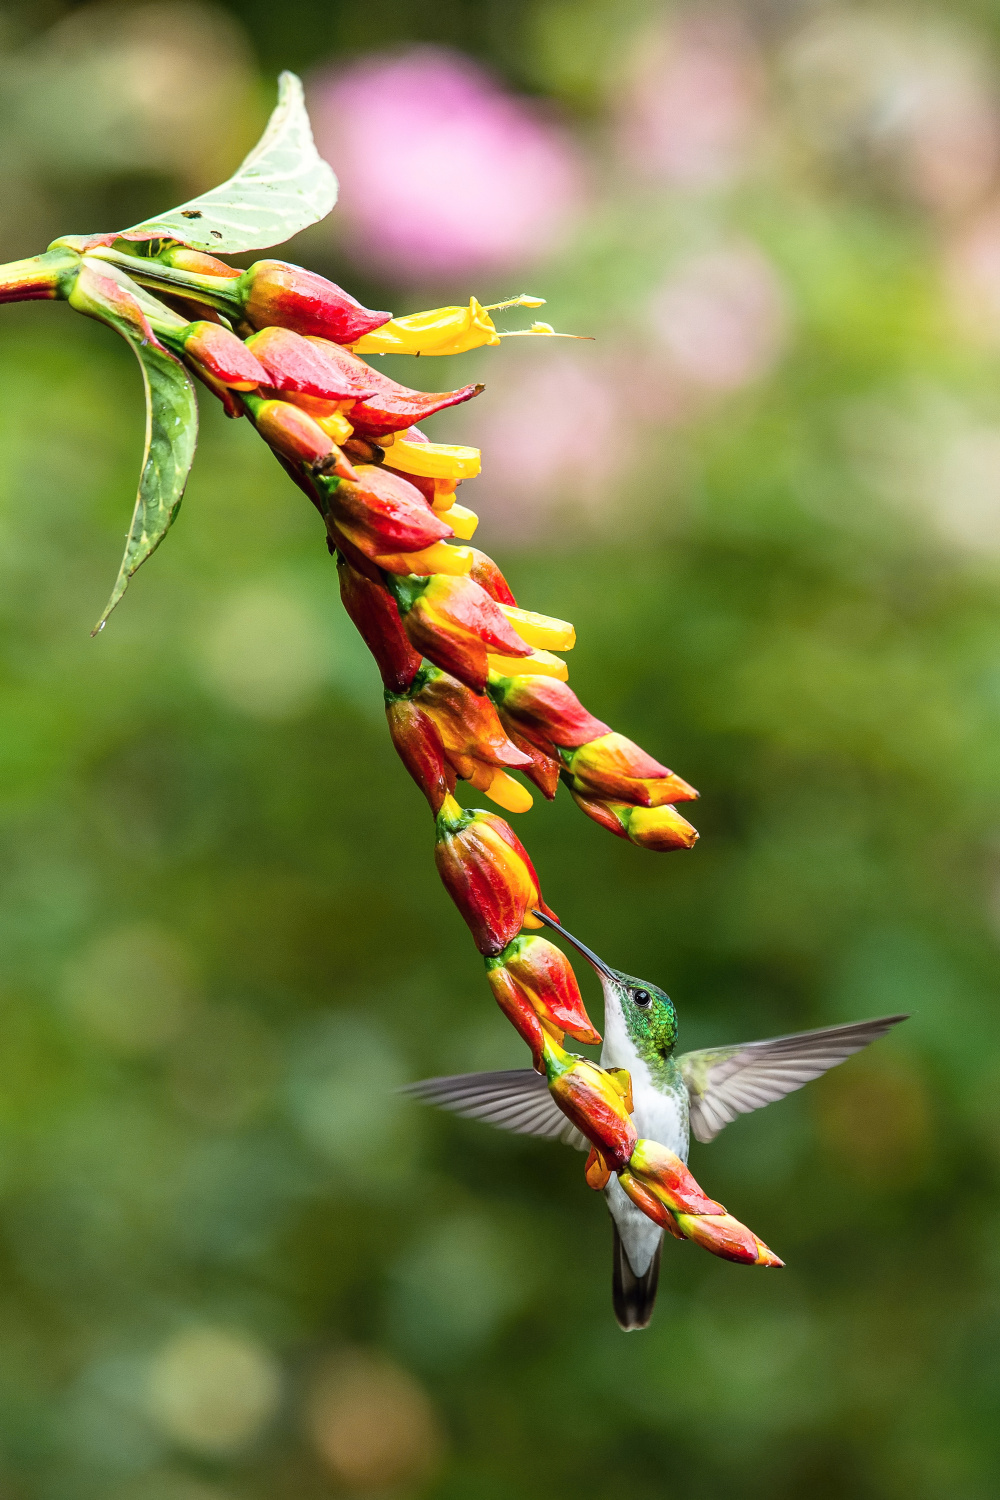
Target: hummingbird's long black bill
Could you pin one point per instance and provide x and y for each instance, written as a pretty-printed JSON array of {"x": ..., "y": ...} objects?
[{"x": 588, "y": 953}]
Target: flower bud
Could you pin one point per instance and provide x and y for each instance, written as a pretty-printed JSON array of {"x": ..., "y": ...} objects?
[
  {"x": 293, "y": 433},
  {"x": 727, "y": 1237},
  {"x": 380, "y": 513},
  {"x": 656, "y": 828},
  {"x": 664, "y": 1175},
  {"x": 544, "y": 976},
  {"x": 418, "y": 746},
  {"x": 489, "y": 577},
  {"x": 395, "y": 407},
  {"x": 611, "y": 766},
  {"x": 488, "y": 874},
  {"x": 225, "y": 357},
  {"x": 453, "y": 622},
  {"x": 373, "y": 611},
  {"x": 521, "y": 1014},
  {"x": 467, "y": 734},
  {"x": 592, "y": 1099},
  {"x": 273, "y": 292},
  {"x": 660, "y": 1184},
  {"x": 544, "y": 710},
  {"x": 466, "y": 721},
  {"x": 300, "y": 365},
  {"x": 183, "y": 259}
]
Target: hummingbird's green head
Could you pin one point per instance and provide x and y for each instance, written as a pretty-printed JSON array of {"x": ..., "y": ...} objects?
[{"x": 648, "y": 1013}]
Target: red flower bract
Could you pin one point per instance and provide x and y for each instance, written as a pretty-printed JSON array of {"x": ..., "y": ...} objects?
[
  {"x": 296, "y": 364},
  {"x": 224, "y": 356},
  {"x": 418, "y": 746},
  {"x": 545, "y": 711},
  {"x": 488, "y": 874},
  {"x": 656, "y": 828},
  {"x": 392, "y": 407},
  {"x": 273, "y": 292},
  {"x": 588, "y": 1096},
  {"x": 373, "y": 611},
  {"x": 382, "y": 513},
  {"x": 612, "y": 766},
  {"x": 454, "y": 623},
  {"x": 485, "y": 572}
]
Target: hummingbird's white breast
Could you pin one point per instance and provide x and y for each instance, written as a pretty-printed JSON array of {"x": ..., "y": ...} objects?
[{"x": 659, "y": 1114}]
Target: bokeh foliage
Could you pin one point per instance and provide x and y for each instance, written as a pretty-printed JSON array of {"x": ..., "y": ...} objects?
[{"x": 223, "y": 942}]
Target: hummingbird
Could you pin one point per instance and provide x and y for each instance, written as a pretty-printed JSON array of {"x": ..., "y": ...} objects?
[{"x": 673, "y": 1096}]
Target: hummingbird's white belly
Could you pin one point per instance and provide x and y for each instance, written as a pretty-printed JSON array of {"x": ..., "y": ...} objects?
[{"x": 658, "y": 1115}]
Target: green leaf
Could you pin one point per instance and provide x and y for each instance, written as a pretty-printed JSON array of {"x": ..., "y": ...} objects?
[
  {"x": 104, "y": 292},
  {"x": 283, "y": 186},
  {"x": 171, "y": 437}
]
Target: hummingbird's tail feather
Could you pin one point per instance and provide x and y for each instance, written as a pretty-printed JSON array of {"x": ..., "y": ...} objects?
[{"x": 634, "y": 1297}]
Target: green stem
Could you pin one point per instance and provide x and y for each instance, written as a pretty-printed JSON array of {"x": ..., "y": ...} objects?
[
  {"x": 40, "y": 276},
  {"x": 216, "y": 291}
]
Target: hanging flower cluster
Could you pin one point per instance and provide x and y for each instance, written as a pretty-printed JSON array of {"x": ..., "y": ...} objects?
[{"x": 475, "y": 687}]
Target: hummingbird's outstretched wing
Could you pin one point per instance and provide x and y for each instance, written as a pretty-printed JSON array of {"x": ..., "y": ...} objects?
[
  {"x": 724, "y": 1082},
  {"x": 518, "y": 1100}
]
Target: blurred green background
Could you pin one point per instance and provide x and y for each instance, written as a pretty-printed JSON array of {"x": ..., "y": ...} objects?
[{"x": 234, "y": 1267}]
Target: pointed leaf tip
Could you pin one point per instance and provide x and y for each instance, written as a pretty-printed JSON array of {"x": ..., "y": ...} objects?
[
  {"x": 281, "y": 188},
  {"x": 171, "y": 437}
]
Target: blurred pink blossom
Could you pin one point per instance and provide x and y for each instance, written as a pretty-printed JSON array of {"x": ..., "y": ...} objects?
[
  {"x": 442, "y": 171},
  {"x": 722, "y": 318},
  {"x": 691, "y": 108},
  {"x": 972, "y": 267}
]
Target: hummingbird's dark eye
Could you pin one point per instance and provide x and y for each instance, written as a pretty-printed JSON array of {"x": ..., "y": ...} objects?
[{"x": 641, "y": 997}]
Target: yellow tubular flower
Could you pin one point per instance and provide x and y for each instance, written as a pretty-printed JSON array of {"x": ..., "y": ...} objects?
[
  {"x": 432, "y": 460},
  {"x": 455, "y": 562},
  {"x": 539, "y": 664},
  {"x": 450, "y": 330},
  {"x": 542, "y": 631},
  {"x": 444, "y": 493},
  {"x": 508, "y": 793},
  {"x": 462, "y": 521},
  {"x": 336, "y": 426}
]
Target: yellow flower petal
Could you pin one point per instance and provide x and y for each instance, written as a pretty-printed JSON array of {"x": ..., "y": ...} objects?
[
  {"x": 541, "y": 630},
  {"x": 336, "y": 426},
  {"x": 539, "y": 663},
  {"x": 432, "y": 460},
  {"x": 463, "y": 522},
  {"x": 438, "y": 558},
  {"x": 442, "y": 330},
  {"x": 509, "y": 794}
]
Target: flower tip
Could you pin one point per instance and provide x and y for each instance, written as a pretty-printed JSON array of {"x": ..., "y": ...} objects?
[
  {"x": 766, "y": 1257},
  {"x": 509, "y": 794}
]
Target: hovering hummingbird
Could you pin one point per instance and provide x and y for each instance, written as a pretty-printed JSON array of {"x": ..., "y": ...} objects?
[{"x": 673, "y": 1095}]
